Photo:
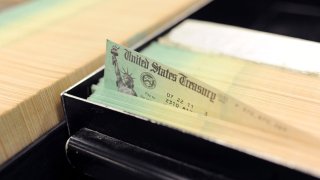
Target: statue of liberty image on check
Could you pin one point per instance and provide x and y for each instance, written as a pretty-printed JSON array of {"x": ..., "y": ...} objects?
[{"x": 125, "y": 83}]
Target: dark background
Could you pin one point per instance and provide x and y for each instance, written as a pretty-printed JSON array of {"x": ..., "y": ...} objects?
[{"x": 295, "y": 18}]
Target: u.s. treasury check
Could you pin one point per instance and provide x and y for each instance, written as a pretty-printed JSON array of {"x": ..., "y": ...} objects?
[{"x": 130, "y": 72}]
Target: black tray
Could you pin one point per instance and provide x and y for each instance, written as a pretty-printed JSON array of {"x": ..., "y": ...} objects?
[{"x": 135, "y": 134}]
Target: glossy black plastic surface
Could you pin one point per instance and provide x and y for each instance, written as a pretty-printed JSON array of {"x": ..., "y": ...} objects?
[{"x": 172, "y": 143}]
